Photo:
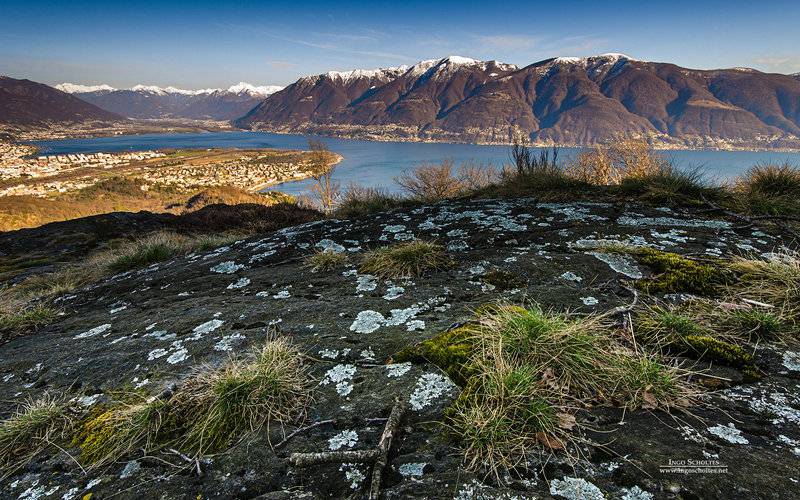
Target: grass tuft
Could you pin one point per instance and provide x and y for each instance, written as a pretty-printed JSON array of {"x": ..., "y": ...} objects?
[
  {"x": 669, "y": 186},
  {"x": 648, "y": 383},
  {"x": 117, "y": 431},
  {"x": 405, "y": 260},
  {"x": 325, "y": 260},
  {"x": 218, "y": 405},
  {"x": 156, "y": 247},
  {"x": 774, "y": 281},
  {"x": 661, "y": 327},
  {"x": 358, "y": 201},
  {"x": 28, "y": 431},
  {"x": 29, "y": 318},
  {"x": 755, "y": 324},
  {"x": 769, "y": 189},
  {"x": 525, "y": 371},
  {"x": 207, "y": 412}
]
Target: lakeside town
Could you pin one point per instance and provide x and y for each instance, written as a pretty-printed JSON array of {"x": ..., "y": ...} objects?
[{"x": 23, "y": 173}]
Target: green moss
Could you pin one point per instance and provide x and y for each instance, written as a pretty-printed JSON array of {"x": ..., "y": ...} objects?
[
  {"x": 502, "y": 279},
  {"x": 675, "y": 273},
  {"x": 718, "y": 351},
  {"x": 110, "y": 433},
  {"x": 451, "y": 351}
]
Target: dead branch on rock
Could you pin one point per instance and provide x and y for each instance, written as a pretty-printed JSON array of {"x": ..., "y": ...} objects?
[
  {"x": 623, "y": 310},
  {"x": 302, "y": 429},
  {"x": 334, "y": 457},
  {"x": 378, "y": 456},
  {"x": 384, "y": 445}
]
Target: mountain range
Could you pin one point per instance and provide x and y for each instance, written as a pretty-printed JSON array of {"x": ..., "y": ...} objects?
[
  {"x": 566, "y": 100},
  {"x": 27, "y": 103},
  {"x": 151, "y": 102}
]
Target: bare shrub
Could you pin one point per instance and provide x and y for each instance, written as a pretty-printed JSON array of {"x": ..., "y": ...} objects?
[
  {"x": 359, "y": 200},
  {"x": 433, "y": 182},
  {"x": 593, "y": 166},
  {"x": 612, "y": 163}
]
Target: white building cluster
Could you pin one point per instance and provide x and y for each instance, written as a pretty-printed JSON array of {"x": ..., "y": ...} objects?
[
  {"x": 245, "y": 172},
  {"x": 15, "y": 164}
]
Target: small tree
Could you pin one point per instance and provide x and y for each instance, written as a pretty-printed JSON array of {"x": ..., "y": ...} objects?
[{"x": 322, "y": 167}]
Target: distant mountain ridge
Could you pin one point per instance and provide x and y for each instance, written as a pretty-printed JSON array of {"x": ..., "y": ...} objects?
[
  {"x": 565, "y": 100},
  {"x": 26, "y": 103},
  {"x": 153, "y": 102}
]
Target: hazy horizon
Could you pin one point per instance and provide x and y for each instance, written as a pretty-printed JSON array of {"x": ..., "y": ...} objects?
[{"x": 201, "y": 45}]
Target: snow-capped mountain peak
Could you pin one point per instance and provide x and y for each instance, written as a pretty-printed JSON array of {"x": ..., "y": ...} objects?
[
  {"x": 263, "y": 90},
  {"x": 458, "y": 60},
  {"x": 73, "y": 88},
  {"x": 611, "y": 57},
  {"x": 239, "y": 88},
  {"x": 355, "y": 74},
  {"x": 153, "y": 89}
]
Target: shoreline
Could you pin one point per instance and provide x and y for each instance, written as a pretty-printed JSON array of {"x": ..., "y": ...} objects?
[
  {"x": 660, "y": 146},
  {"x": 261, "y": 187},
  {"x": 401, "y": 139}
]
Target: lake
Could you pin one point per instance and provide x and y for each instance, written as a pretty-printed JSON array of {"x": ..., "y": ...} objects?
[{"x": 377, "y": 163}]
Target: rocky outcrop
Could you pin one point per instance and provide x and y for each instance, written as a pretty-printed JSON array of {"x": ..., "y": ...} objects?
[{"x": 149, "y": 328}]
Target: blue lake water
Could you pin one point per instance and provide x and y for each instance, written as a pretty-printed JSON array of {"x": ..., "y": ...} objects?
[{"x": 377, "y": 163}]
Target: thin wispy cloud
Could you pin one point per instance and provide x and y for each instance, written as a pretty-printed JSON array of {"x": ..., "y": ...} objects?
[
  {"x": 779, "y": 64},
  {"x": 281, "y": 65},
  {"x": 509, "y": 42},
  {"x": 327, "y": 45}
]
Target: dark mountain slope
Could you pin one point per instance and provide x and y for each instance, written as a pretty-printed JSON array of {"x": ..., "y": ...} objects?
[{"x": 23, "y": 102}]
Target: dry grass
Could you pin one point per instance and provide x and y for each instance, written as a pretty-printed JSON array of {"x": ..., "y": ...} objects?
[
  {"x": 130, "y": 425},
  {"x": 325, "y": 260},
  {"x": 208, "y": 411},
  {"x": 405, "y": 260},
  {"x": 142, "y": 252},
  {"x": 26, "y": 319},
  {"x": 31, "y": 429},
  {"x": 774, "y": 281},
  {"x": 219, "y": 405},
  {"x": 768, "y": 189},
  {"x": 358, "y": 201},
  {"x": 532, "y": 369},
  {"x": 160, "y": 246}
]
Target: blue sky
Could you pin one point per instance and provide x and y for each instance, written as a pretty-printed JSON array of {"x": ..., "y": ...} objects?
[{"x": 215, "y": 44}]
